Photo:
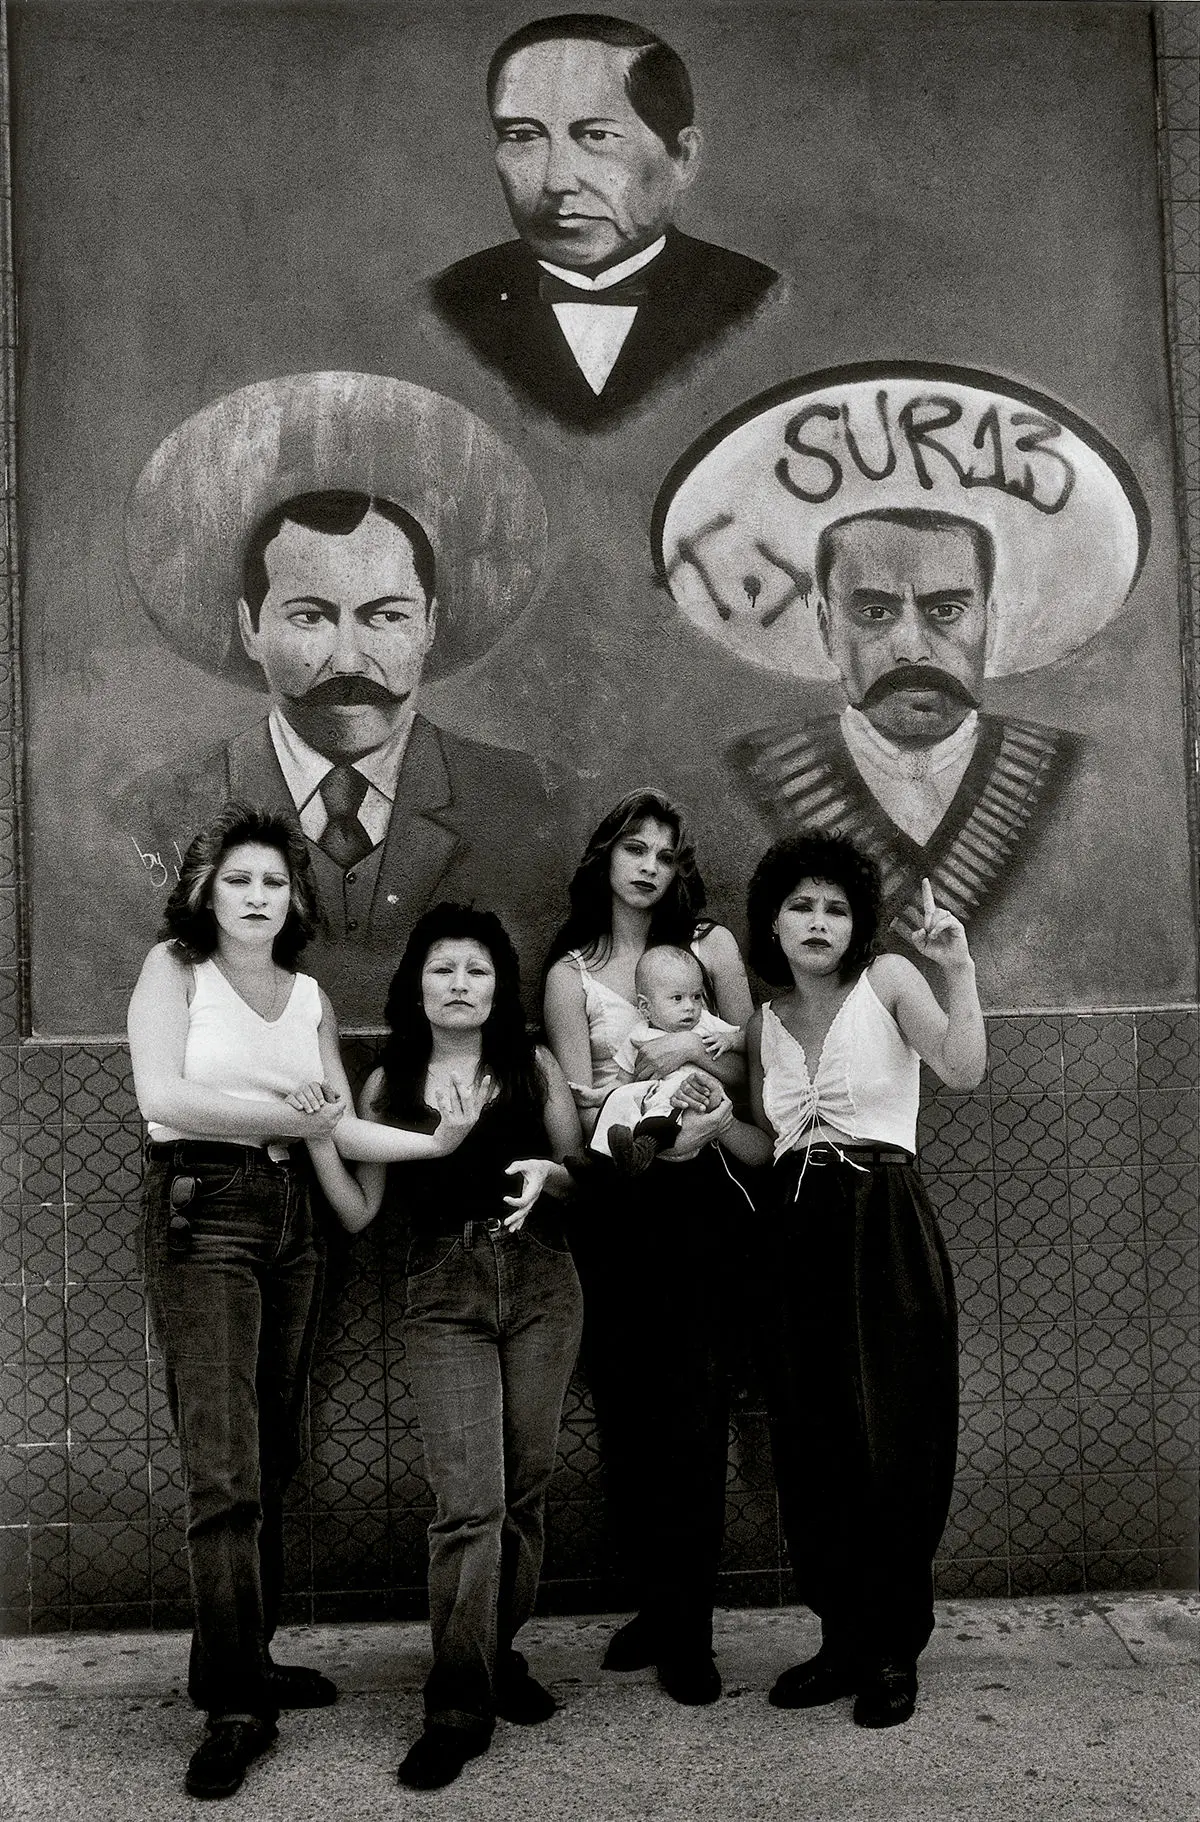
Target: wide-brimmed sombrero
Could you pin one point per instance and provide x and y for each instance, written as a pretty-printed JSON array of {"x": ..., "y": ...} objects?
[
  {"x": 208, "y": 484},
  {"x": 738, "y": 519}
]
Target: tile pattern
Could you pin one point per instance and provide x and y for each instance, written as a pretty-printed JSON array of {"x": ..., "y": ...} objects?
[{"x": 1068, "y": 1190}]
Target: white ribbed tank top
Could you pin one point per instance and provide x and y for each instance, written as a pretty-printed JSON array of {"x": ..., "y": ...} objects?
[{"x": 232, "y": 1048}]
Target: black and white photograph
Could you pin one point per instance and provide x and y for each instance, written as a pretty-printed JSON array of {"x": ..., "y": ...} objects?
[{"x": 599, "y": 886}]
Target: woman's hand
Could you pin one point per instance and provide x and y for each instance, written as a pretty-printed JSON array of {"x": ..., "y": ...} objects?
[
  {"x": 322, "y": 1106},
  {"x": 311, "y": 1097},
  {"x": 673, "y": 1050},
  {"x": 696, "y": 1130},
  {"x": 458, "y": 1106},
  {"x": 533, "y": 1173},
  {"x": 698, "y": 1093},
  {"x": 940, "y": 938}
]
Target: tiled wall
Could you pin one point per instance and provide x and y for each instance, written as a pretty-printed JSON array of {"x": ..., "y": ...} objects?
[{"x": 1068, "y": 1190}]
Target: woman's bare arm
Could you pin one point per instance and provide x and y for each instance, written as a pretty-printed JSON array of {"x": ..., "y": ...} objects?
[
  {"x": 753, "y": 1144},
  {"x": 565, "y": 1013},
  {"x": 158, "y": 1028}
]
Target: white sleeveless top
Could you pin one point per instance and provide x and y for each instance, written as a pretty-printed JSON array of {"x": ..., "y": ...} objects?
[
  {"x": 231, "y": 1048},
  {"x": 867, "y": 1080},
  {"x": 610, "y": 1019}
]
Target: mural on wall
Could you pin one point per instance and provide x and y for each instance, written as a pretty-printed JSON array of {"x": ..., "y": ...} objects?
[
  {"x": 602, "y": 297},
  {"x": 507, "y": 635},
  {"x": 912, "y": 532},
  {"x": 340, "y": 537}
]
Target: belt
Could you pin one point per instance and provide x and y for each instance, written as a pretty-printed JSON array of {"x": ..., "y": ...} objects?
[
  {"x": 470, "y": 1231},
  {"x": 195, "y": 1154},
  {"x": 826, "y": 1152}
]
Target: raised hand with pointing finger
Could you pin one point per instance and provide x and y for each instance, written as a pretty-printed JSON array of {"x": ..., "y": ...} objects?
[{"x": 940, "y": 936}]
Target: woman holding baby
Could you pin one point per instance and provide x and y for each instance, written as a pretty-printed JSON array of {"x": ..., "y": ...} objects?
[{"x": 652, "y": 1244}]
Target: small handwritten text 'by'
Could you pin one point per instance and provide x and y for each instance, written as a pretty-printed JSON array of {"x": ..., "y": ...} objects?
[{"x": 158, "y": 872}]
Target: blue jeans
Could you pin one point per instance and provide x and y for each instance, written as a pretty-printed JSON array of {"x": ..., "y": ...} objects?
[
  {"x": 234, "y": 1308},
  {"x": 491, "y": 1332}
]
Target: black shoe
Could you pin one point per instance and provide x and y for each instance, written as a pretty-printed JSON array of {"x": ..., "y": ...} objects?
[
  {"x": 295, "y": 1686},
  {"x": 887, "y": 1696},
  {"x": 521, "y": 1698},
  {"x": 439, "y": 1755},
  {"x": 632, "y": 1153},
  {"x": 690, "y": 1678},
  {"x": 811, "y": 1684},
  {"x": 633, "y": 1646},
  {"x": 219, "y": 1763}
]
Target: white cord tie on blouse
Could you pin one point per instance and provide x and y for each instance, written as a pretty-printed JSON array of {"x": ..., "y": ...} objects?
[{"x": 842, "y": 1158}]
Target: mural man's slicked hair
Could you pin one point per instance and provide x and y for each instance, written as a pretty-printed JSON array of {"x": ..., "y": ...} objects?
[
  {"x": 336, "y": 512},
  {"x": 917, "y": 518},
  {"x": 657, "y": 83}
]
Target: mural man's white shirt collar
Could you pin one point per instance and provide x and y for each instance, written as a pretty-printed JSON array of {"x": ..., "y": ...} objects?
[
  {"x": 304, "y": 768},
  {"x": 612, "y": 275},
  {"x": 915, "y": 786}
]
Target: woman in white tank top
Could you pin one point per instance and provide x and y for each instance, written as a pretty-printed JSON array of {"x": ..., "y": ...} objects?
[
  {"x": 652, "y": 1251},
  {"x": 854, "y": 1294},
  {"x": 235, "y": 1060}
]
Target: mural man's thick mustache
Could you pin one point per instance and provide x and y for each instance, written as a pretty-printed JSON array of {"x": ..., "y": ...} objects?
[
  {"x": 918, "y": 677},
  {"x": 348, "y": 692}
]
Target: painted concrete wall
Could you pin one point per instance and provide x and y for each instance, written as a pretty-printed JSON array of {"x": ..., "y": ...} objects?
[{"x": 1068, "y": 1187}]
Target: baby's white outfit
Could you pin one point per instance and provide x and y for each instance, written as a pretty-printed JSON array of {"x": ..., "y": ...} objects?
[{"x": 634, "y": 1101}]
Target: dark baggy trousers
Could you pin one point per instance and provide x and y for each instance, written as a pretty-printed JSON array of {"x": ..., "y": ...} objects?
[
  {"x": 654, "y": 1256},
  {"x": 858, "y": 1350}
]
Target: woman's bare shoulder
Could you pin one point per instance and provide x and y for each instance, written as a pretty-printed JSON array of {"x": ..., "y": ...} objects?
[
  {"x": 717, "y": 944},
  {"x": 890, "y": 974},
  {"x": 166, "y": 964},
  {"x": 565, "y": 976}
]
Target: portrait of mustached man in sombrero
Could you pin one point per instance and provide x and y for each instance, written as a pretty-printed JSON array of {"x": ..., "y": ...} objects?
[
  {"x": 336, "y": 540},
  {"x": 909, "y": 535}
]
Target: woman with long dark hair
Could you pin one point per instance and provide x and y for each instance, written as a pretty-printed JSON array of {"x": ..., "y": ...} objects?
[
  {"x": 652, "y": 1251},
  {"x": 854, "y": 1296},
  {"x": 493, "y": 1316}
]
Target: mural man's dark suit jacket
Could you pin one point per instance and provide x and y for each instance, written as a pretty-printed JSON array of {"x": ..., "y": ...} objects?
[
  {"x": 696, "y": 293},
  {"x": 469, "y": 822}
]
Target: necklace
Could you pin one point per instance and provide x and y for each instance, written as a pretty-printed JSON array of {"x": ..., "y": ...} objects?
[{"x": 244, "y": 992}]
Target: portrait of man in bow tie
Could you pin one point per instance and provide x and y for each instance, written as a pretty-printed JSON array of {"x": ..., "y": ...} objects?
[
  {"x": 602, "y": 299},
  {"x": 340, "y": 605}
]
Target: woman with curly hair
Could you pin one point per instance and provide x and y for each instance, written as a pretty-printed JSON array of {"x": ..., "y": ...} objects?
[
  {"x": 493, "y": 1308},
  {"x": 653, "y": 1250},
  {"x": 235, "y": 1062},
  {"x": 854, "y": 1294}
]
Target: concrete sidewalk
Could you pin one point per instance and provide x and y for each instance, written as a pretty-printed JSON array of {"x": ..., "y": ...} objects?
[{"x": 1030, "y": 1710}]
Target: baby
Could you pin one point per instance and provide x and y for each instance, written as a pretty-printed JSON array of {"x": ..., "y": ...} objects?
[{"x": 637, "y": 1120}]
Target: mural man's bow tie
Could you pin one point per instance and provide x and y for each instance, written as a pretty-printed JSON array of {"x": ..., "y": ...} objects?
[{"x": 633, "y": 290}]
